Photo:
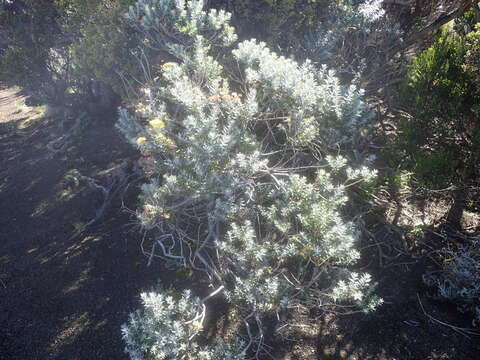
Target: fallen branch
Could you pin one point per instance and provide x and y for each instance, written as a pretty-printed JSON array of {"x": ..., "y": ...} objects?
[
  {"x": 60, "y": 144},
  {"x": 434, "y": 26},
  {"x": 398, "y": 2},
  {"x": 115, "y": 184},
  {"x": 462, "y": 331}
]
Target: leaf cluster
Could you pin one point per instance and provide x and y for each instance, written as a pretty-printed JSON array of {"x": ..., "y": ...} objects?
[{"x": 442, "y": 94}]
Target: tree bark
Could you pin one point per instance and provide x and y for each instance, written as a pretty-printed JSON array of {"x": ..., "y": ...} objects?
[
  {"x": 434, "y": 26},
  {"x": 476, "y": 9},
  {"x": 460, "y": 195},
  {"x": 399, "y": 2},
  {"x": 102, "y": 100},
  {"x": 454, "y": 217}
]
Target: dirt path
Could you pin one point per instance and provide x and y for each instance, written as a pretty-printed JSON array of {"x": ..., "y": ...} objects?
[{"x": 61, "y": 298}]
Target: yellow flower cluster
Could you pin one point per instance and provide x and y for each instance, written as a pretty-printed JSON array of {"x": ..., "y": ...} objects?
[
  {"x": 157, "y": 123},
  {"x": 142, "y": 108},
  {"x": 166, "y": 141},
  {"x": 197, "y": 326},
  {"x": 166, "y": 215},
  {"x": 306, "y": 252},
  {"x": 168, "y": 65},
  {"x": 224, "y": 96},
  {"x": 150, "y": 212},
  {"x": 153, "y": 212},
  {"x": 141, "y": 140}
]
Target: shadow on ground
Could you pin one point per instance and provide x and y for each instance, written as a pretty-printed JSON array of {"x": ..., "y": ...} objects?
[
  {"x": 62, "y": 297},
  {"x": 408, "y": 326}
]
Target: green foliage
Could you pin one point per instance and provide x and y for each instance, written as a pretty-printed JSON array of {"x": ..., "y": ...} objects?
[
  {"x": 29, "y": 30},
  {"x": 68, "y": 44},
  {"x": 57, "y": 46},
  {"x": 342, "y": 36},
  {"x": 103, "y": 51},
  {"x": 331, "y": 32},
  {"x": 275, "y": 21},
  {"x": 440, "y": 145},
  {"x": 472, "y": 58},
  {"x": 442, "y": 95},
  {"x": 466, "y": 23},
  {"x": 247, "y": 184}
]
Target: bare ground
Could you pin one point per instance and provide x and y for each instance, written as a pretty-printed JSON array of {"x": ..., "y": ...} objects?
[{"x": 61, "y": 297}]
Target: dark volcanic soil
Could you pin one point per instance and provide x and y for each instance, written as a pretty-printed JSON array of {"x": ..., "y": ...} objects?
[
  {"x": 65, "y": 296},
  {"x": 62, "y": 297}
]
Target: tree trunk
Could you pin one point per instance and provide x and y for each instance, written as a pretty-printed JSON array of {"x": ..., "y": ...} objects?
[
  {"x": 434, "y": 26},
  {"x": 460, "y": 195},
  {"x": 102, "y": 101},
  {"x": 454, "y": 217},
  {"x": 476, "y": 9}
]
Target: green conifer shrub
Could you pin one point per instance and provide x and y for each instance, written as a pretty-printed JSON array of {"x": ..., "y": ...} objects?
[
  {"x": 440, "y": 145},
  {"x": 30, "y": 30},
  {"x": 105, "y": 43},
  {"x": 247, "y": 184},
  {"x": 441, "y": 135},
  {"x": 58, "y": 48}
]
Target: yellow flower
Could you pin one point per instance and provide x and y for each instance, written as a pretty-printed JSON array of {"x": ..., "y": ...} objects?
[
  {"x": 167, "y": 215},
  {"x": 166, "y": 141},
  {"x": 141, "y": 140},
  {"x": 157, "y": 123},
  {"x": 306, "y": 252},
  {"x": 197, "y": 326},
  {"x": 142, "y": 108},
  {"x": 168, "y": 65}
]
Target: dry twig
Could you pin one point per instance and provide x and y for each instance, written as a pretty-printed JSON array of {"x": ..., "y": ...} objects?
[{"x": 462, "y": 331}]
